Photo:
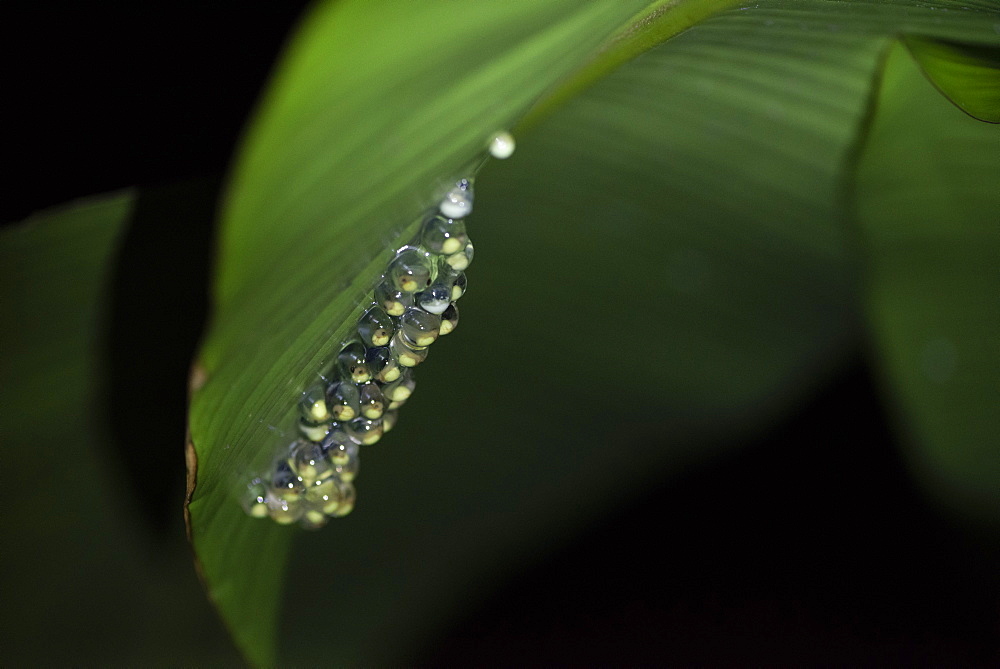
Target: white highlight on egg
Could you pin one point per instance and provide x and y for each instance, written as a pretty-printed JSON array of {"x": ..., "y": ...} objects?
[{"x": 502, "y": 145}]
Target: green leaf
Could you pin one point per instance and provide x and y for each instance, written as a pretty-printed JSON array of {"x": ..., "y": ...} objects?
[
  {"x": 374, "y": 110},
  {"x": 968, "y": 74},
  {"x": 929, "y": 205},
  {"x": 671, "y": 240},
  {"x": 82, "y": 583}
]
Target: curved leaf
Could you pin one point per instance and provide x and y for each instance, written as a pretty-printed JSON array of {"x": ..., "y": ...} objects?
[
  {"x": 77, "y": 566},
  {"x": 662, "y": 268},
  {"x": 375, "y": 109},
  {"x": 685, "y": 211},
  {"x": 929, "y": 205},
  {"x": 968, "y": 74}
]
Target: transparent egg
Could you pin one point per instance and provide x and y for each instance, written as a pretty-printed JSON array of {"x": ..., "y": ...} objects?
[
  {"x": 502, "y": 145},
  {"x": 461, "y": 260},
  {"x": 313, "y": 431},
  {"x": 308, "y": 461},
  {"x": 282, "y": 509},
  {"x": 401, "y": 389},
  {"x": 376, "y": 327},
  {"x": 384, "y": 368},
  {"x": 364, "y": 431},
  {"x": 457, "y": 203},
  {"x": 459, "y": 286},
  {"x": 419, "y": 328},
  {"x": 313, "y": 405},
  {"x": 389, "y": 420},
  {"x": 410, "y": 270},
  {"x": 344, "y": 400},
  {"x": 444, "y": 236},
  {"x": 352, "y": 363},
  {"x": 326, "y": 496},
  {"x": 348, "y": 470},
  {"x": 313, "y": 519},
  {"x": 449, "y": 319},
  {"x": 347, "y": 500},
  {"x": 393, "y": 301},
  {"x": 336, "y": 437},
  {"x": 437, "y": 297},
  {"x": 372, "y": 402},
  {"x": 340, "y": 452},
  {"x": 255, "y": 499},
  {"x": 285, "y": 482},
  {"x": 405, "y": 353}
]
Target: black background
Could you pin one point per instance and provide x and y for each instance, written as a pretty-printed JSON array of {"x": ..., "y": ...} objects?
[{"x": 742, "y": 561}]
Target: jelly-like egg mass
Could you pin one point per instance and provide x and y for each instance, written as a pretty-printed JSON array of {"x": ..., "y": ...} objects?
[{"x": 413, "y": 304}]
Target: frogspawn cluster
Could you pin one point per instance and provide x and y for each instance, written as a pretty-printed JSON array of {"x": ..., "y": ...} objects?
[{"x": 413, "y": 304}]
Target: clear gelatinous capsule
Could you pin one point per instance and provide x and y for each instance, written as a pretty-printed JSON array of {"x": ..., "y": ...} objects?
[
  {"x": 285, "y": 482},
  {"x": 382, "y": 365},
  {"x": 352, "y": 364},
  {"x": 449, "y": 319},
  {"x": 313, "y": 519},
  {"x": 336, "y": 436},
  {"x": 364, "y": 431},
  {"x": 405, "y": 353},
  {"x": 419, "y": 328},
  {"x": 348, "y": 469},
  {"x": 502, "y": 145},
  {"x": 459, "y": 286},
  {"x": 457, "y": 203},
  {"x": 255, "y": 499},
  {"x": 313, "y": 431},
  {"x": 389, "y": 420},
  {"x": 339, "y": 452},
  {"x": 410, "y": 270},
  {"x": 326, "y": 496},
  {"x": 393, "y": 301},
  {"x": 309, "y": 463},
  {"x": 313, "y": 405},
  {"x": 343, "y": 399},
  {"x": 348, "y": 496},
  {"x": 461, "y": 260},
  {"x": 444, "y": 236},
  {"x": 376, "y": 327},
  {"x": 372, "y": 402},
  {"x": 401, "y": 389},
  {"x": 282, "y": 509},
  {"x": 437, "y": 296}
]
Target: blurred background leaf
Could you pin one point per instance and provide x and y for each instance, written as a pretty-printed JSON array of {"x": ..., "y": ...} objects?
[
  {"x": 80, "y": 566},
  {"x": 931, "y": 229}
]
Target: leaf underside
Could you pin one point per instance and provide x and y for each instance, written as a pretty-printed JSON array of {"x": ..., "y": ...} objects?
[{"x": 664, "y": 264}]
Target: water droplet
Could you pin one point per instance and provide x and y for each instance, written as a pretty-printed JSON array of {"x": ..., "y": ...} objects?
[{"x": 502, "y": 145}]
